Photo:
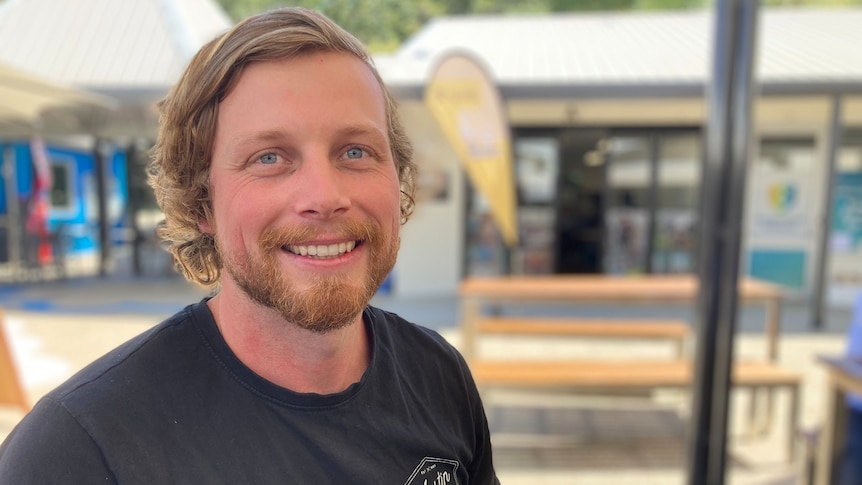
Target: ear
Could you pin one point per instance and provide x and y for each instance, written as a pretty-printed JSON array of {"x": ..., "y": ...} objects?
[{"x": 205, "y": 226}]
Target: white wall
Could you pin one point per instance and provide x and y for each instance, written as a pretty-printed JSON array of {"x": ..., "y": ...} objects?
[
  {"x": 777, "y": 118},
  {"x": 430, "y": 259}
]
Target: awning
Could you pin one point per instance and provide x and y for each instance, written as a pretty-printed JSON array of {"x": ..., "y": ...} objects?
[{"x": 29, "y": 105}]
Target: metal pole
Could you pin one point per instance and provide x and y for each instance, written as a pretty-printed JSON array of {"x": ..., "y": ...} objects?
[
  {"x": 820, "y": 283},
  {"x": 13, "y": 211},
  {"x": 727, "y": 153},
  {"x": 133, "y": 205},
  {"x": 102, "y": 202},
  {"x": 652, "y": 202}
]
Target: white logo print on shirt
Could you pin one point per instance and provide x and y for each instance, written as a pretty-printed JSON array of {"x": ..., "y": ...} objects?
[{"x": 434, "y": 471}]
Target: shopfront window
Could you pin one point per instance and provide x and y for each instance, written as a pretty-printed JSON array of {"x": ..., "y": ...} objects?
[
  {"x": 61, "y": 186},
  {"x": 652, "y": 202},
  {"x": 845, "y": 241},
  {"x": 627, "y": 214},
  {"x": 486, "y": 252},
  {"x": 537, "y": 168},
  {"x": 677, "y": 204}
]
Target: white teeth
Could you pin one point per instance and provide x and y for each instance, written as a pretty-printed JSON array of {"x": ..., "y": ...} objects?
[{"x": 319, "y": 252}]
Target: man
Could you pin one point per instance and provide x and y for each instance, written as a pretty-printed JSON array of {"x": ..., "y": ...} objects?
[
  {"x": 850, "y": 465},
  {"x": 284, "y": 175}
]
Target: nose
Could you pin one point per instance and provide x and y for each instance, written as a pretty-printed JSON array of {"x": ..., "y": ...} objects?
[{"x": 321, "y": 189}]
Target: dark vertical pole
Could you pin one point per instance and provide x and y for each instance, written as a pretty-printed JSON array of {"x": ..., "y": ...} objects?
[
  {"x": 820, "y": 283},
  {"x": 102, "y": 201},
  {"x": 606, "y": 199},
  {"x": 727, "y": 152},
  {"x": 14, "y": 227},
  {"x": 133, "y": 204},
  {"x": 652, "y": 202}
]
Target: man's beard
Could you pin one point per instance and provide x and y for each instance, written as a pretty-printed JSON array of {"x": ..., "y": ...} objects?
[{"x": 332, "y": 301}]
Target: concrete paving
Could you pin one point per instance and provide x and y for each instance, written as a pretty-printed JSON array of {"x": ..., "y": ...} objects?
[{"x": 55, "y": 328}]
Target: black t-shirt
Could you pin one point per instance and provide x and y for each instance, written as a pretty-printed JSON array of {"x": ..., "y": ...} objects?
[{"x": 175, "y": 405}]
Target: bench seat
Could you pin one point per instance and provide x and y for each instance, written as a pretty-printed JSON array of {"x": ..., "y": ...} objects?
[
  {"x": 674, "y": 331},
  {"x": 616, "y": 375},
  {"x": 605, "y": 374},
  {"x": 582, "y": 327}
]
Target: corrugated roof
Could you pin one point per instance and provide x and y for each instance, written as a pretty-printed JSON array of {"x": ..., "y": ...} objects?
[
  {"x": 120, "y": 47},
  {"x": 635, "y": 52},
  {"x": 130, "y": 50}
]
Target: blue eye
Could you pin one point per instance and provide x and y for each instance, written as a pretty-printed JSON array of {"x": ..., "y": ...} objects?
[
  {"x": 268, "y": 158},
  {"x": 355, "y": 152}
]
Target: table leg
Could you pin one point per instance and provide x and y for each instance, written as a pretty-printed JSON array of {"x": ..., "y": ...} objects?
[
  {"x": 469, "y": 321},
  {"x": 752, "y": 412},
  {"x": 773, "y": 326},
  {"x": 832, "y": 436},
  {"x": 793, "y": 422}
]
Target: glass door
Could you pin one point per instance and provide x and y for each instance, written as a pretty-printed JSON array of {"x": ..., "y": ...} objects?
[
  {"x": 679, "y": 175},
  {"x": 651, "y": 202},
  {"x": 628, "y": 198}
]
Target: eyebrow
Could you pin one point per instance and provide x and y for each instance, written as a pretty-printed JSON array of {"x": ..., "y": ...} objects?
[
  {"x": 363, "y": 129},
  {"x": 240, "y": 140}
]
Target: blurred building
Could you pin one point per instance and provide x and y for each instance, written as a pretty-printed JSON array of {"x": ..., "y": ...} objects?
[
  {"x": 606, "y": 112},
  {"x": 129, "y": 51}
]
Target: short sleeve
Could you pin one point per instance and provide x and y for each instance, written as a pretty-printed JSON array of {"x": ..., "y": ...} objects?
[
  {"x": 481, "y": 470},
  {"x": 50, "y": 446}
]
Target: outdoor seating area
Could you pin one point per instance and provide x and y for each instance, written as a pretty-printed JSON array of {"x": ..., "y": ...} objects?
[
  {"x": 543, "y": 436},
  {"x": 497, "y": 309}
]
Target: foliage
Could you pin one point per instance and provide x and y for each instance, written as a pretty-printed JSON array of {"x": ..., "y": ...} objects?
[{"x": 381, "y": 24}]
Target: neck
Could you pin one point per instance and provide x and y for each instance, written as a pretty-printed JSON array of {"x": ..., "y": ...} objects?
[{"x": 286, "y": 354}]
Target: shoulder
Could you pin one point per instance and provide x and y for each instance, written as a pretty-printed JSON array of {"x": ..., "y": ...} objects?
[
  {"x": 49, "y": 446},
  {"x": 390, "y": 328},
  {"x": 73, "y": 423},
  {"x": 414, "y": 347},
  {"x": 128, "y": 367}
]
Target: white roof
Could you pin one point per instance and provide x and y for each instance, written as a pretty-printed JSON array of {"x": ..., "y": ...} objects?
[
  {"x": 118, "y": 47},
  {"x": 130, "y": 50},
  {"x": 628, "y": 52}
]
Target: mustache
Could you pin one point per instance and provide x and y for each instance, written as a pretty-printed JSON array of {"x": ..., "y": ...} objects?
[{"x": 275, "y": 238}]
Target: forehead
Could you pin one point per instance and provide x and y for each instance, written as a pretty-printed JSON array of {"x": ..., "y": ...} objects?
[
  {"x": 306, "y": 94},
  {"x": 308, "y": 73}
]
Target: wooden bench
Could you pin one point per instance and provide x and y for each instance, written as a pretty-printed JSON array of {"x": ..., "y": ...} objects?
[
  {"x": 576, "y": 373},
  {"x": 610, "y": 374},
  {"x": 615, "y": 375},
  {"x": 676, "y": 331}
]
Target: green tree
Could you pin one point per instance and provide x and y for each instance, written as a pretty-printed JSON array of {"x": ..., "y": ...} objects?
[
  {"x": 381, "y": 24},
  {"x": 590, "y": 5}
]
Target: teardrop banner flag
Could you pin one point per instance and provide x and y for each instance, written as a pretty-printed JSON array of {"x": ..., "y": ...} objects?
[{"x": 468, "y": 109}]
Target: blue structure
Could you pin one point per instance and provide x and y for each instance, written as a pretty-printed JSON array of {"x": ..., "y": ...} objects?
[{"x": 72, "y": 218}]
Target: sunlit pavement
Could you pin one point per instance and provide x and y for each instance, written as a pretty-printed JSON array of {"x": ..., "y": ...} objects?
[{"x": 57, "y": 328}]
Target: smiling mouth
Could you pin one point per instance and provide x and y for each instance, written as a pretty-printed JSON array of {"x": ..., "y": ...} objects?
[{"x": 325, "y": 251}]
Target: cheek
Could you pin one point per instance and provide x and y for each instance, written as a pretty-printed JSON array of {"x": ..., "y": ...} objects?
[
  {"x": 238, "y": 218},
  {"x": 236, "y": 200}
]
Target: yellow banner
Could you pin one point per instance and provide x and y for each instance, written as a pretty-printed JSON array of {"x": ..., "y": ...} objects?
[{"x": 467, "y": 107}]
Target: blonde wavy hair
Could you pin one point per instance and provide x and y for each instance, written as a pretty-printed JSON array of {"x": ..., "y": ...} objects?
[{"x": 179, "y": 170}]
